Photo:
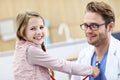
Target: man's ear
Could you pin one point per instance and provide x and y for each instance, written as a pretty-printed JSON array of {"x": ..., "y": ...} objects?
[{"x": 110, "y": 26}]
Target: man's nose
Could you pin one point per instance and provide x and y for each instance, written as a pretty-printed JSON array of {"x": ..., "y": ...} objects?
[{"x": 88, "y": 29}]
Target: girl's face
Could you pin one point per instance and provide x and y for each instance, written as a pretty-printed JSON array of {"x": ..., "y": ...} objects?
[{"x": 35, "y": 31}]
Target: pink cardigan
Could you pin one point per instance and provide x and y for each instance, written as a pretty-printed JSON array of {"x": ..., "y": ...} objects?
[{"x": 31, "y": 63}]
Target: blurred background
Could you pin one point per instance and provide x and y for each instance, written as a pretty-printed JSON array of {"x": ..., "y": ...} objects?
[
  {"x": 62, "y": 18},
  {"x": 56, "y": 12}
]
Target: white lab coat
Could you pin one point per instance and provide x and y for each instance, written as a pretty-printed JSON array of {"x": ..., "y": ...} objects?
[{"x": 112, "y": 71}]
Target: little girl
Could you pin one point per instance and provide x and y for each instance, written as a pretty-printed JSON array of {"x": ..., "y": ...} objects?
[{"x": 31, "y": 62}]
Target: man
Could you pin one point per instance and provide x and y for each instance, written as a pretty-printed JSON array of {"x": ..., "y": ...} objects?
[{"x": 99, "y": 21}]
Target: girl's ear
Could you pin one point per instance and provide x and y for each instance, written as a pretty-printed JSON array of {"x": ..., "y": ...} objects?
[{"x": 18, "y": 35}]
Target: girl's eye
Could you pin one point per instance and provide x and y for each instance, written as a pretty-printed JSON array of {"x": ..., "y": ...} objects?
[
  {"x": 41, "y": 27},
  {"x": 33, "y": 28}
]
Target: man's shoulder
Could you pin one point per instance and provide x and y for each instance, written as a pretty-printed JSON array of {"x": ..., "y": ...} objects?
[
  {"x": 116, "y": 46},
  {"x": 89, "y": 49},
  {"x": 116, "y": 41}
]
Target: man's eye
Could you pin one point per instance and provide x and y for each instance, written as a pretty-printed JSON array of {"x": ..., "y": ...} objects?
[
  {"x": 85, "y": 25},
  {"x": 94, "y": 25}
]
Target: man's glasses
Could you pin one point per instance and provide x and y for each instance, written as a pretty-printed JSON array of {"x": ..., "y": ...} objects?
[{"x": 92, "y": 26}]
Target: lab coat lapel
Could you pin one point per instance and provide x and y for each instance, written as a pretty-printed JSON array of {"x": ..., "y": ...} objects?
[
  {"x": 87, "y": 59},
  {"x": 88, "y": 56},
  {"x": 111, "y": 66},
  {"x": 112, "y": 62}
]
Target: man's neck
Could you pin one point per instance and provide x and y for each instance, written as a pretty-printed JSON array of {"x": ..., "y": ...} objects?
[{"x": 101, "y": 50}]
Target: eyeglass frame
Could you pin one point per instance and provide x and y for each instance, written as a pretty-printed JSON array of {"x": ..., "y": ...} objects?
[{"x": 92, "y": 24}]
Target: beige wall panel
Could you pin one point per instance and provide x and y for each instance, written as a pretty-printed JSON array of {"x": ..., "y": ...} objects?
[
  {"x": 117, "y": 26},
  {"x": 24, "y": 5},
  {"x": 76, "y": 32},
  {"x": 7, "y": 46},
  {"x": 56, "y": 37},
  {"x": 43, "y": 7},
  {"x": 6, "y": 9}
]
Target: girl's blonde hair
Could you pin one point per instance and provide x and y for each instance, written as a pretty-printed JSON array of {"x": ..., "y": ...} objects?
[{"x": 22, "y": 21}]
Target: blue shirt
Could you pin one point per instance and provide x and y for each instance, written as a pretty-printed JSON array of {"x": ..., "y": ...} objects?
[{"x": 101, "y": 67}]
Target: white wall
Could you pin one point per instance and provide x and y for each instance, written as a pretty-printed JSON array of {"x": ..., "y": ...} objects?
[{"x": 6, "y": 67}]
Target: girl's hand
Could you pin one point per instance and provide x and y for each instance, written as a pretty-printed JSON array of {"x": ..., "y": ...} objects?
[{"x": 96, "y": 72}]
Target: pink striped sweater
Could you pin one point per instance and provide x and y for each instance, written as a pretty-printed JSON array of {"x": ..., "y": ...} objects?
[{"x": 30, "y": 63}]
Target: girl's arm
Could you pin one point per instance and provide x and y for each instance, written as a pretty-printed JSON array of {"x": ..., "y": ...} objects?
[{"x": 36, "y": 56}]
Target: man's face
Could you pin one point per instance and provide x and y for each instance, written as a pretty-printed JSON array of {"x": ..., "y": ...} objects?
[{"x": 95, "y": 37}]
